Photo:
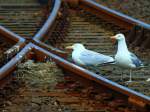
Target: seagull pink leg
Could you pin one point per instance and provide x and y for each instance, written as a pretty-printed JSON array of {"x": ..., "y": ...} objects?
[{"x": 130, "y": 79}]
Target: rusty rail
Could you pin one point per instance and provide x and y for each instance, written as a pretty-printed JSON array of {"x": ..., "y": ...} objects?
[{"x": 9, "y": 34}]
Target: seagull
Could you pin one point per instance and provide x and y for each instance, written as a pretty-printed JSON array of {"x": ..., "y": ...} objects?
[
  {"x": 124, "y": 58},
  {"x": 85, "y": 57}
]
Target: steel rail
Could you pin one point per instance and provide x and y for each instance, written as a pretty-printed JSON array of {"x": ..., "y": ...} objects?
[
  {"x": 47, "y": 25},
  {"x": 114, "y": 15}
]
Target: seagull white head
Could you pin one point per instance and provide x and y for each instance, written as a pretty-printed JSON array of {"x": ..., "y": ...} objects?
[
  {"x": 76, "y": 46},
  {"x": 118, "y": 37}
]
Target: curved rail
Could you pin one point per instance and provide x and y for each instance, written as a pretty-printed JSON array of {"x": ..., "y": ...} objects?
[
  {"x": 49, "y": 22},
  {"x": 47, "y": 27}
]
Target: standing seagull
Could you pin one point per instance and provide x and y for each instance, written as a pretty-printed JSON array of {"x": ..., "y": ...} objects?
[
  {"x": 124, "y": 57},
  {"x": 85, "y": 57}
]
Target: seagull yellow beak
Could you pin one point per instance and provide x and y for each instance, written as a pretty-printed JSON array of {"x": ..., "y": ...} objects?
[
  {"x": 69, "y": 47},
  {"x": 113, "y": 39}
]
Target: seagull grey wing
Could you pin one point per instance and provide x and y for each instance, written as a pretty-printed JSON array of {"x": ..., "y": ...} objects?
[
  {"x": 93, "y": 58},
  {"x": 136, "y": 60}
]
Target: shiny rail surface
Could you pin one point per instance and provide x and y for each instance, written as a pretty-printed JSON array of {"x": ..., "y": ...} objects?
[{"x": 88, "y": 9}]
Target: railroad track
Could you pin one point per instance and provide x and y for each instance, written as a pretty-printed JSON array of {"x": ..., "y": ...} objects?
[
  {"x": 61, "y": 29},
  {"x": 87, "y": 96},
  {"x": 83, "y": 27}
]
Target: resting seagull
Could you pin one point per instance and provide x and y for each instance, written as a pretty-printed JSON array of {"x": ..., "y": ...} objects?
[
  {"x": 124, "y": 57},
  {"x": 85, "y": 57}
]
